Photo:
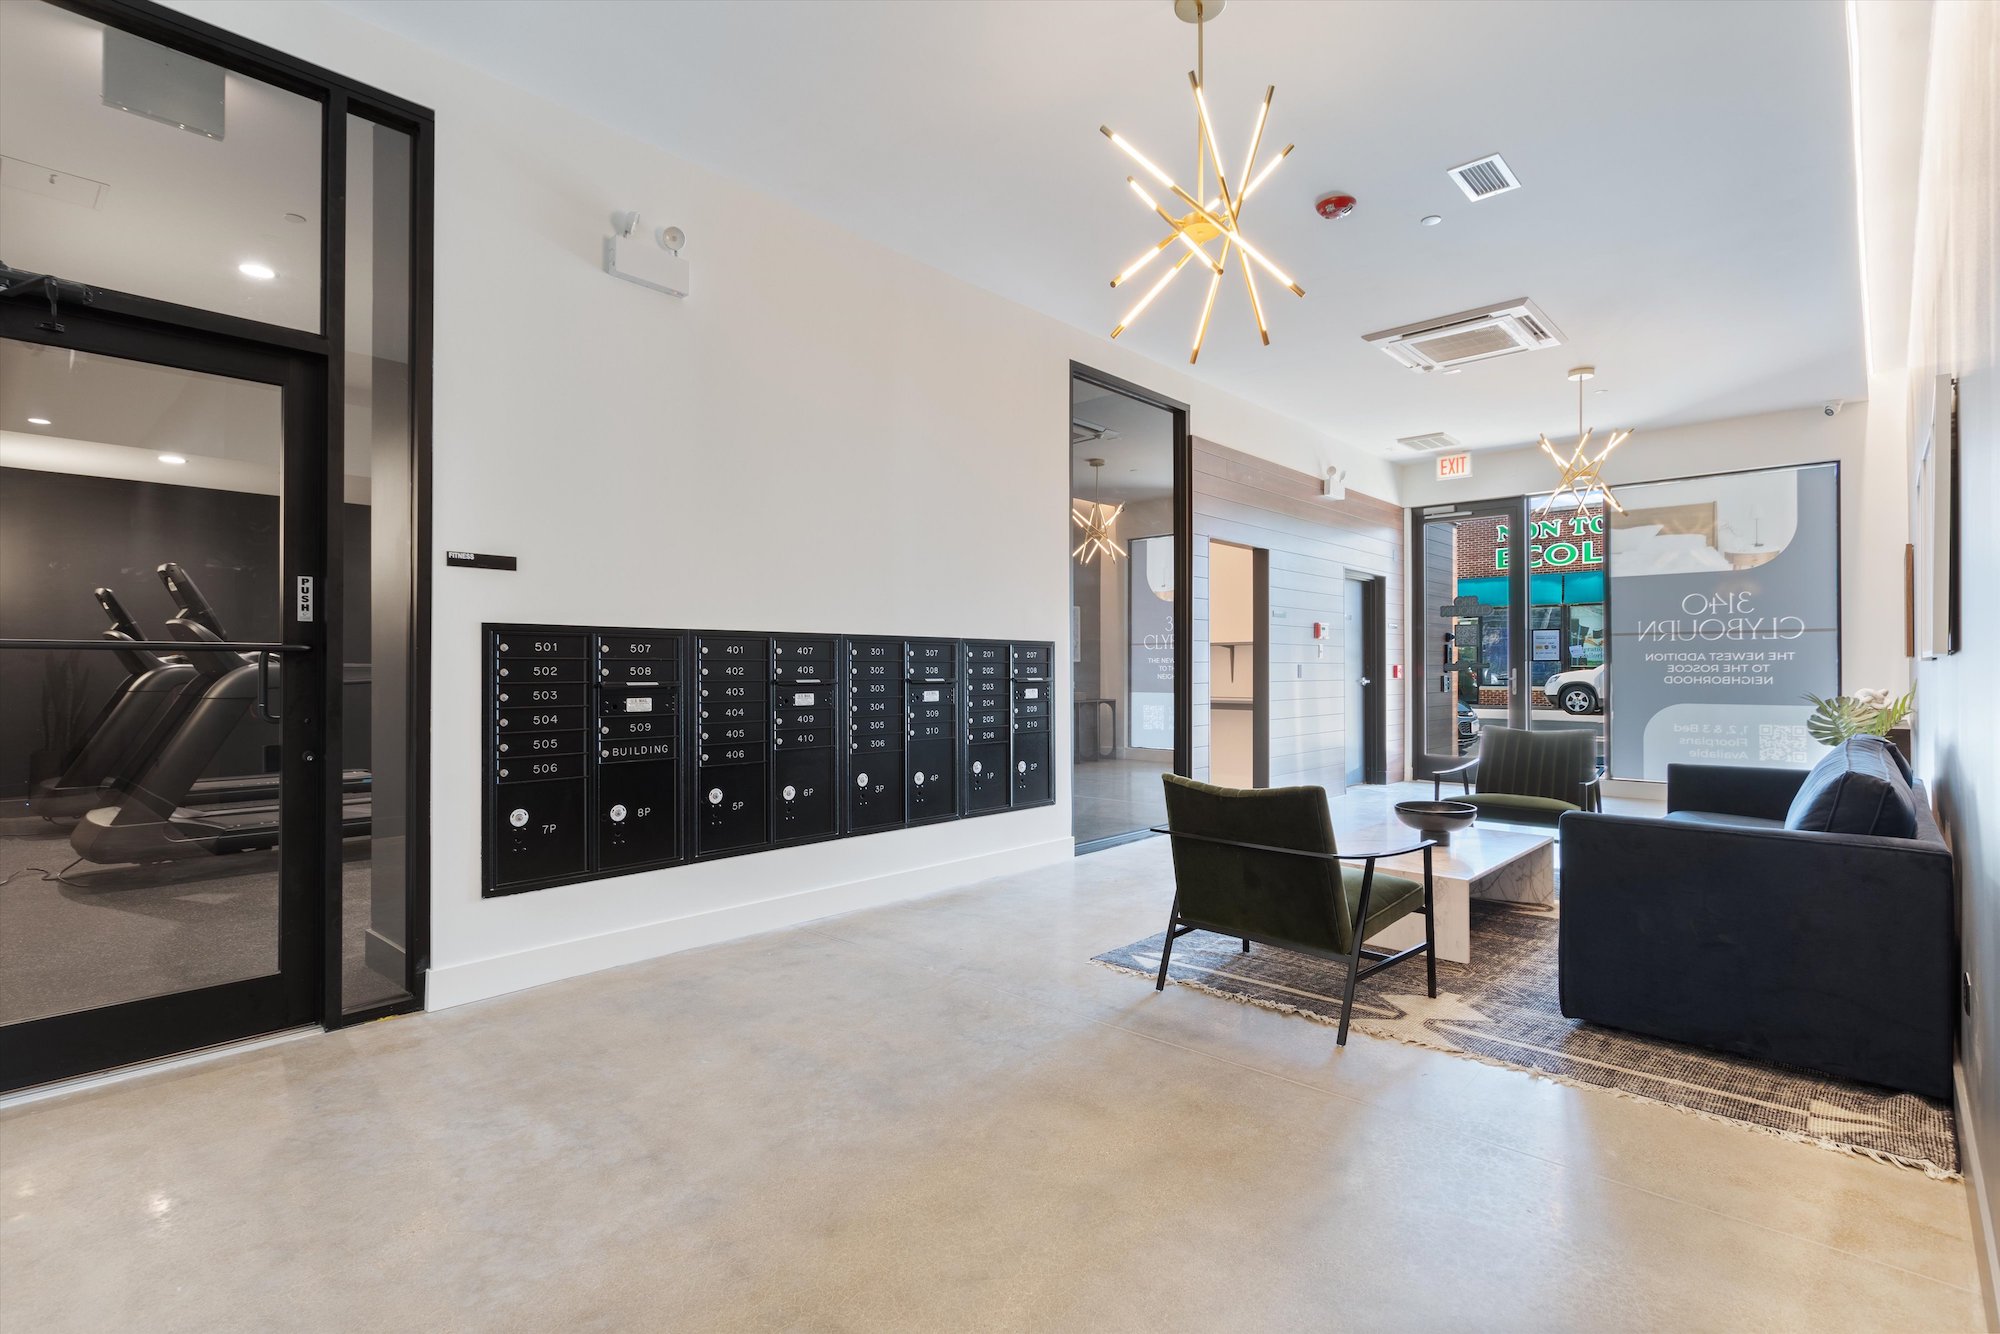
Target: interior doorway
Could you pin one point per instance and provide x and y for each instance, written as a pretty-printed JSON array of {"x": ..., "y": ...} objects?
[
  {"x": 1129, "y": 608},
  {"x": 1364, "y": 667},
  {"x": 1239, "y": 678}
]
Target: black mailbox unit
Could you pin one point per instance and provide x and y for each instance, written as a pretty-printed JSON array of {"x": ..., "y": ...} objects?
[
  {"x": 874, "y": 783},
  {"x": 805, "y": 738},
  {"x": 617, "y": 750},
  {"x": 537, "y": 798},
  {"x": 989, "y": 730},
  {"x": 931, "y": 705},
  {"x": 732, "y": 743},
  {"x": 1034, "y": 778},
  {"x": 636, "y": 714}
]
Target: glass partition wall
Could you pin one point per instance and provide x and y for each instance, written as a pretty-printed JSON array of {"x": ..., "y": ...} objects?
[
  {"x": 1128, "y": 572},
  {"x": 213, "y": 584},
  {"x": 1688, "y": 625}
]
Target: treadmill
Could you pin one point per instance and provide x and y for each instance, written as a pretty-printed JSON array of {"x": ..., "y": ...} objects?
[
  {"x": 162, "y": 811},
  {"x": 156, "y": 695}
]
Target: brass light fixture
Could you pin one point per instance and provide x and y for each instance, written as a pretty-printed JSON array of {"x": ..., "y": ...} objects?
[
  {"x": 1096, "y": 518},
  {"x": 1582, "y": 472},
  {"x": 1220, "y": 217}
]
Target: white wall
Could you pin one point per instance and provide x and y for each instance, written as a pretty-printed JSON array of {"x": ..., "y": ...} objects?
[
  {"x": 1866, "y": 439},
  {"x": 1955, "y": 331},
  {"x": 826, "y": 436}
]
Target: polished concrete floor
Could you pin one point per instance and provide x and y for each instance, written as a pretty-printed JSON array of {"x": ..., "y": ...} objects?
[{"x": 934, "y": 1116}]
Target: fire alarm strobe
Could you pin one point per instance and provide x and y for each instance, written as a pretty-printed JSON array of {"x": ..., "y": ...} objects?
[{"x": 1335, "y": 205}]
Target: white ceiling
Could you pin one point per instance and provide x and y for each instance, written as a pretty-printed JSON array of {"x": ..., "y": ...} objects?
[{"x": 1687, "y": 214}]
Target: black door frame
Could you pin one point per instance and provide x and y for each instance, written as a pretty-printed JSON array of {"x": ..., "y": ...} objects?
[
  {"x": 1513, "y": 509},
  {"x": 339, "y": 98},
  {"x": 78, "y": 1042},
  {"x": 1183, "y": 572}
]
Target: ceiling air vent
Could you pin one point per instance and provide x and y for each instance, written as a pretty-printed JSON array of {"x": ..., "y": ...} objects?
[
  {"x": 1471, "y": 335},
  {"x": 1082, "y": 432},
  {"x": 1427, "y": 444},
  {"x": 1485, "y": 178}
]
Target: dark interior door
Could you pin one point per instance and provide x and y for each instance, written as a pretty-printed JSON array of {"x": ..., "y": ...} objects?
[{"x": 170, "y": 827}]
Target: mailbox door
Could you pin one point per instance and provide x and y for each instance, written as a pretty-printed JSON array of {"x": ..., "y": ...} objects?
[
  {"x": 539, "y": 832},
  {"x": 729, "y": 803},
  {"x": 637, "y": 808},
  {"x": 803, "y": 804},
  {"x": 1034, "y": 784},
  {"x": 986, "y": 783},
  {"x": 933, "y": 780},
  {"x": 874, "y": 789}
]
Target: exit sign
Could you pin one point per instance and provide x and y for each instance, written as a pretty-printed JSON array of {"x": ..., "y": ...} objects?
[{"x": 1453, "y": 466}]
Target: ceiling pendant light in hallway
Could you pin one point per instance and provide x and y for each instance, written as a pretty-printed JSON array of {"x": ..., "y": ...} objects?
[
  {"x": 1096, "y": 519},
  {"x": 1582, "y": 472},
  {"x": 1219, "y": 217}
]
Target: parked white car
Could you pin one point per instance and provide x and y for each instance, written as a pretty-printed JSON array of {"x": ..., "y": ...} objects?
[{"x": 1578, "y": 691}]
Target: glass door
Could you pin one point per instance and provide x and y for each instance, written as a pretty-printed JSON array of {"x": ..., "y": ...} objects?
[
  {"x": 1471, "y": 602},
  {"x": 165, "y": 824},
  {"x": 1568, "y": 555}
]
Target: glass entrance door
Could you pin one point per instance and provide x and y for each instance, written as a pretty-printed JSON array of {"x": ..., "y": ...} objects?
[
  {"x": 165, "y": 824},
  {"x": 1472, "y": 599}
]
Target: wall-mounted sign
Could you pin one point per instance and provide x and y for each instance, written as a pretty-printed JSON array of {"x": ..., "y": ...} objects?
[
  {"x": 1150, "y": 627},
  {"x": 1726, "y": 612},
  {"x": 1452, "y": 467},
  {"x": 479, "y": 560}
]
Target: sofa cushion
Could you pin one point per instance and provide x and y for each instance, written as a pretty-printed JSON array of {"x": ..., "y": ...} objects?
[
  {"x": 1887, "y": 747},
  {"x": 1722, "y": 820},
  {"x": 1854, "y": 789},
  {"x": 1501, "y": 803}
]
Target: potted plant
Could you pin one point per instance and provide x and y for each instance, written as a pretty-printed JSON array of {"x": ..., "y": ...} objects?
[{"x": 1864, "y": 713}]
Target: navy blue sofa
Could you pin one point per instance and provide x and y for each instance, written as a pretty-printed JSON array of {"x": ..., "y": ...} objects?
[{"x": 1800, "y": 917}]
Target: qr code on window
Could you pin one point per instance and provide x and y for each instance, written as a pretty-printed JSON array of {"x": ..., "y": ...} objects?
[{"x": 1784, "y": 743}]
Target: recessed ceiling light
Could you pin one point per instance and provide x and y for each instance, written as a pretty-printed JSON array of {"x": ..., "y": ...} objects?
[
  {"x": 1430, "y": 219},
  {"x": 38, "y": 421},
  {"x": 172, "y": 458},
  {"x": 250, "y": 268}
]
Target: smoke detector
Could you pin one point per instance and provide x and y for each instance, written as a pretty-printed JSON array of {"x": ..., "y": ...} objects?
[{"x": 1450, "y": 341}]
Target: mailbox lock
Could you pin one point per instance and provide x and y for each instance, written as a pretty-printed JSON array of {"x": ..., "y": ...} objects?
[
  {"x": 518, "y": 816},
  {"x": 1021, "y": 767},
  {"x": 978, "y": 768},
  {"x": 618, "y": 815},
  {"x": 920, "y": 780},
  {"x": 715, "y": 796},
  {"x": 861, "y": 780},
  {"x": 790, "y": 792}
]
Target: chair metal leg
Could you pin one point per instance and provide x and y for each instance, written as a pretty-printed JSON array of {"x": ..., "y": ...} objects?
[
  {"x": 1354, "y": 957},
  {"x": 1430, "y": 932},
  {"x": 1167, "y": 949},
  {"x": 1246, "y": 944}
]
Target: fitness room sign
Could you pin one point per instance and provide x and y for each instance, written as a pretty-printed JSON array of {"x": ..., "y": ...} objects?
[{"x": 1725, "y": 610}]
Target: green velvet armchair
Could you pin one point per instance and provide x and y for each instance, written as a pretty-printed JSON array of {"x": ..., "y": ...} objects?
[
  {"x": 1529, "y": 776},
  {"x": 1261, "y": 865}
]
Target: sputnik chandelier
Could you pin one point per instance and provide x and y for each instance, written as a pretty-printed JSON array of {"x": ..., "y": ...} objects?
[
  {"x": 1220, "y": 217},
  {"x": 1096, "y": 518},
  {"x": 1582, "y": 471}
]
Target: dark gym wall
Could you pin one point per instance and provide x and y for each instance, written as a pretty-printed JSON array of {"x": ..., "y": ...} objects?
[{"x": 61, "y": 535}]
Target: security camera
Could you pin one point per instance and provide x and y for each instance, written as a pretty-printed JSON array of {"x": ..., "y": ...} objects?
[{"x": 1833, "y": 409}]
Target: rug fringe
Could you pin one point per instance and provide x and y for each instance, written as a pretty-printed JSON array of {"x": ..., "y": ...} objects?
[{"x": 1361, "y": 1023}]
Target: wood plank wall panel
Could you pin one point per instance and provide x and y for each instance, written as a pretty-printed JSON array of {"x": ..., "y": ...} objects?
[{"x": 1314, "y": 544}]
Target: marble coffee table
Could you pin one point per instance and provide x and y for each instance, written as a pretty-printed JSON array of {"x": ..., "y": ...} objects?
[{"x": 1483, "y": 862}]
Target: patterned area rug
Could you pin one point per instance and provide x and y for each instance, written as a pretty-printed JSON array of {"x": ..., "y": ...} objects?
[{"x": 1501, "y": 1009}]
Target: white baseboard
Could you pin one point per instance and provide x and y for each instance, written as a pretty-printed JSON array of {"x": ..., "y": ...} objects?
[
  {"x": 1982, "y": 1206},
  {"x": 480, "y": 979}
]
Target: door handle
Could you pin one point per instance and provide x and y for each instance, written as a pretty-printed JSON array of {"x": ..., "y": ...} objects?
[{"x": 1367, "y": 681}]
